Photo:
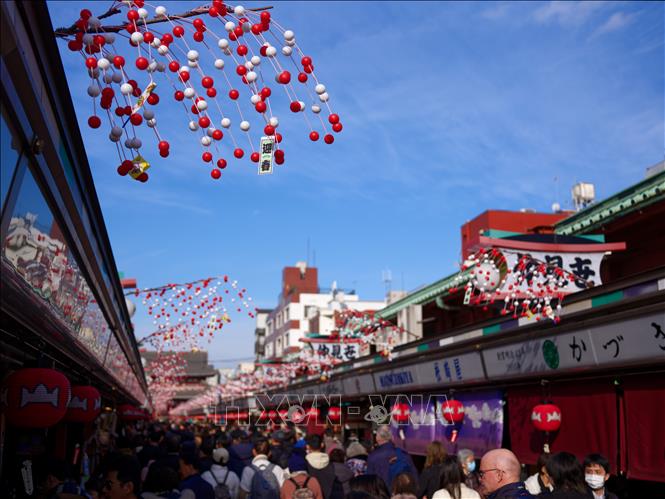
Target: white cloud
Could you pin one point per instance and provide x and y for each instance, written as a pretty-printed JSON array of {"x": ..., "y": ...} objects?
[
  {"x": 566, "y": 14},
  {"x": 616, "y": 21}
]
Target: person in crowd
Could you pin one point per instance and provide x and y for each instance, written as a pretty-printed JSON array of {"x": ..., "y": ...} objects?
[
  {"x": 499, "y": 475},
  {"x": 467, "y": 460},
  {"x": 240, "y": 452},
  {"x": 330, "y": 441},
  {"x": 539, "y": 482},
  {"x": 451, "y": 485},
  {"x": 205, "y": 454},
  {"x": 388, "y": 461},
  {"x": 122, "y": 477},
  {"x": 567, "y": 477},
  {"x": 403, "y": 496},
  {"x": 319, "y": 466},
  {"x": 404, "y": 483},
  {"x": 161, "y": 483},
  {"x": 342, "y": 472},
  {"x": 430, "y": 478},
  {"x": 172, "y": 456},
  {"x": 219, "y": 475},
  {"x": 58, "y": 480},
  {"x": 261, "y": 479},
  {"x": 300, "y": 484},
  {"x": 191, "y": 478},
  {"x": 596, "y": 473},
  {"x": 372, "y": 485},
  {"x": 151, "y": 451},
  {"x": 279, "y": 453},
  {"x": 356, "y": 458}
]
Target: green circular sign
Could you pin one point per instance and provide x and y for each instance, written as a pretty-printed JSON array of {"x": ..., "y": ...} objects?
[{"x": 550, "y": 354}]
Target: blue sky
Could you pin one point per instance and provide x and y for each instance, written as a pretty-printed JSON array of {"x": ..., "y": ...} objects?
[{"x": 449, "y": 109}]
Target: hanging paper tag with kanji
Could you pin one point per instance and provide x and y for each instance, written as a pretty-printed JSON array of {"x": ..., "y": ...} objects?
[
  {"x": 144, "y": 95},
  {"x": 267, "y": 150},
  {"x": 140, "y": 166}
]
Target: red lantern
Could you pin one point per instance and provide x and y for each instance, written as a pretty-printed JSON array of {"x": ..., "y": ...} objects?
[
  {"x": 35, "y": 398},
  {"x": 283, "y": 414},
  {"x": 85, "y": 404},
  {"x": 452, "y": 411},
  {"x": 335, "y": 414},
  {"x": 313, "y": 412},
  {"x": 272, "y": 414},
  {"x": 400, "y": 413},
  {"x": 128, "y": 412},
  {"x": 546, "y": 417}
]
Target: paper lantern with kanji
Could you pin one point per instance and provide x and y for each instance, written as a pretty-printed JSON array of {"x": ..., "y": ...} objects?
[
  {"x": 335, "y": 414},
  {"x": 128, "y": 412},
  {"x": 452, "y": 411},
  {"x": 85, "y": 404},
  {"x": 283, "y": 414},
  {"x": 400, "y": 413},
  {"x": 35, "y": 397},
  {"x": 546, "y": 417},
  {"x": 272, "y": 414}
]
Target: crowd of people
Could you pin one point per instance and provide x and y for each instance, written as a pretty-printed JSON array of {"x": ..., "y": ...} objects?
[{"x": 186, "y": 462}]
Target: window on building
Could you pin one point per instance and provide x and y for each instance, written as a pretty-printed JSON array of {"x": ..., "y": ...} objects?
[
  {"x": 9, "y": 155},
  {"x": 286, "y": 314}
]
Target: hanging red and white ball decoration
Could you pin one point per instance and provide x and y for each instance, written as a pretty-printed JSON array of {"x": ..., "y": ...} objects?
[{"x": 234, "y": 71}]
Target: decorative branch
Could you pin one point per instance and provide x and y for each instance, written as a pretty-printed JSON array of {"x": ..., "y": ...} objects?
[{"x": 65, "y": 32}]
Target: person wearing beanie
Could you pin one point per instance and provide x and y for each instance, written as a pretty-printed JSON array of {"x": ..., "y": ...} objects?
[
  {"x": 299, "y": 478},
  {"x": 219, "y": 472},
  {"x": 356, "y": 461}
]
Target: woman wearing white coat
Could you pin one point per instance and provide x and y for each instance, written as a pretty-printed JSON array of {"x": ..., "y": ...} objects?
[{"x": 452, "y": 482}]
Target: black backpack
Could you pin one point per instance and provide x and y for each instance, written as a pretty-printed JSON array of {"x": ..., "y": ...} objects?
[
  {"x": 302, "y": 491},
  {"x": 221, "y": 489}
]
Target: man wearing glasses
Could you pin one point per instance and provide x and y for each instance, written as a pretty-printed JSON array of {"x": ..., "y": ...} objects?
[
  {"x": 500, "y": 476},
  {"x": 122, "y": 479}
]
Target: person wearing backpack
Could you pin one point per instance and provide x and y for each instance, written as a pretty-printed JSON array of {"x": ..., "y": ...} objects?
[
  {"x": 300, "y": 484},
  {"x": 224, "y": 481},
  {"x": 388, "y": 461},
  {"x": 320, "y": 467},
  {"x": 261, "y": 479}
]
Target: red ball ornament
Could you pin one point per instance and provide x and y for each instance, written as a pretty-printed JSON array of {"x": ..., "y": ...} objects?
[
  {"x": 91, "y": 63},
  {"x": 213, "y": 12},
  {"x": 400, "y": 413},
  {"x": 163, "y": 145},
  {"x": 265, "y": 93},
  {"x": 232, "y": 36},
  {"x": 211, "y": 92},
  {"x": 260, "y": 107},
  {"x": 153, "y": 99},
  {"x": 238, "y": 153},
  {"x": 136, "y": 119},
  {"x": 85, "y": 14},
  {"x": 335, "y": 414},
  {"x": 74, "y": 45},
  {"x": 174, "y": 66},
  {"x": 167, "y": 39},
  {"x": 314, "y": 136},
  {"x": 101, "y": 41},
  {"x": 256, "y": 29},
  {"x": 148, "y": 37},
  {"x": 265, "y": 17},
  {"x": 263, "y": 50},
  {"x": 35, "y": 398},
  {"x": 94, "y": 122},
  {"x": 199, "y": 25},
  {"x": 142, "y": 63},
  {"x": 241, "y": 70},
  {"x": 178, "y": 31},
  {"x": 238, "y": 32},
  {"x": 278, "y": 138},
  {"x": 131, "y": 28},
  {"x": 306, "y": 61},
  {"x": 221, "y": 163},
  {"x": 452, "y": 411},
  {"x": 217, "y": 134},
  {"x": 215, "y": 173},
  {"x": 194, "y": 109},
  {"x": 295, "y": 107},
  {"x": 546, "y": 417},
  {"x": 198, "y": 36},
  {"x": 179, "y": 95},
  {"x": 302, "y": 77},
  {"x": 337, "y": 127},
  {"x": 284, "y": 77},
  {"x": 204, "y": 122},
  {"x": 242, "y": 50},
  {"x": 308, "y": 69},
  {"x": 333, "y": 118},
  {"x": 164, "y": 153},
  {"x": 133, "y": 15},
  {"x": 125, "y": 167},
  {"x": 207, "y": 157},
  {"x": 120, "y": 111},
  {"x": 269, "y": 130},
  {"x": 118, "y": 61},
  {"x": 184, "y": 76},
  {"x": 207, "y": 82},
  {"x": 328, "y": 139},
  {"x": 255, "y": 156},
  {"x": 85, "y": 404},
  {"x": 234, "y": 94}
]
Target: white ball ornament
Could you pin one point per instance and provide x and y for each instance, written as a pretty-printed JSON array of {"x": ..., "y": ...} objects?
[
  {"x": 316, "y": 109},
  {"x": 161, "y": 67},
  {"x": 287, "y": 51},
  {"x": 251, "y": 76},
  {"x": 128, "y": 143},
  {"x": 223, "y": 43},
  {"x": 249, "y": 65},
  {"x": 116, "y": 131},
  {"x": 117, "y": 77},
  {"x": 152, "y": 67},
  {"x": 229, "y": 26},
  {"x": 183, "y": 69},
  {"x": 289, "y": 35},
  {"x": 219, "y": 63},
  {"x": 324, "y": 97},
  {"x": 193, "y": 55},
  {"x": 148, "y": 114},
  {"x": 192, "y": 64},
  {"x": 110, "y": 38},
  {"x": 239, "y": 10},
  {"x": 202, "y": 105},
  {"x": 205, "y": 141},
  {"x": 151, "y": 123},
  {"x": 256, "y": 60},
  {"x": 291, "y": 43},
  {"x": 160, "y": 10},
  {"x": 93, "y": 73},
  {"x": 244, "y": 126},
  {"x": 108, "y": 77},
  {"x": 137, "y": 37},
  {"x": 226, "y": 123},
  {"x": 87, "y": 39},
  {"x": 94, "y": 22},
  {"x": 189, "y": 92},
  {"x": 126, "y": 89},
  {"x": 103, "y": 63},
  {"x": 274, "y": 121},
  {"x": 143, "y": 13},
  {"x": 246, "y": 27},
  {"x": 255, "y": 99},
  {"x": 136, "y": 143},
  {"x": 302, "y": 105},
  {"x": 163, "y": 50},
  {"x": 156, "y": 42},
  {"x": 320, "y": 88},
  {"x": 113, "y": 138},
  {"x": 210, "y": 130},
  {"x": 271, "y": 51},
  {"x": 193, "y": 126},
  {"x": 94, "y": 90}
]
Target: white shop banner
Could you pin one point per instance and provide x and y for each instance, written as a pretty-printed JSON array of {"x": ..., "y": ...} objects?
[
  {"x": 454, "y": 369},
  {"x": 358, "y": 385},
  {"x": 340, "y": 351},
  {"x": 396, "y": 379}
]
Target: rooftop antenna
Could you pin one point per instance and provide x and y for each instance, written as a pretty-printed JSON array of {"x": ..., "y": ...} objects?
[
  {"x": 387, "y": 277},
  {"x": 307, "y": 251},
  {"x": 556, "y": 206}
]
